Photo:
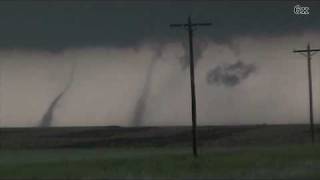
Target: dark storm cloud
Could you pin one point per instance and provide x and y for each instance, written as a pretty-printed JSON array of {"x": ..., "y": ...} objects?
[
  {"x": 230, "y": 75},
  {"x": 59, "y": 25}
]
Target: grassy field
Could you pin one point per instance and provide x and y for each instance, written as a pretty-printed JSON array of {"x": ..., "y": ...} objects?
[
  {"x": 249, "y": 152},
  {"x": 302, "y": 162}
]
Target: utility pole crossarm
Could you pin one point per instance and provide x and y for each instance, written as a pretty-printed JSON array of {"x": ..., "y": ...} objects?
[
  {"x": 310, "y": 50},
  {"x": 193, "y": 24},
  {"x": 201, "y": 24}
]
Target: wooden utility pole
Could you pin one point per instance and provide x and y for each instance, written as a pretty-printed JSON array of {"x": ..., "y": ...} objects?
[
  {"x": 189, "y": 26},
  {"x": 307, "y": 53}
]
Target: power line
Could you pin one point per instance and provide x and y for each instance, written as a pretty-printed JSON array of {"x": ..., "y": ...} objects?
[
  {"x": 307, "y": 53},
  {"x": 189, "y": 26}
]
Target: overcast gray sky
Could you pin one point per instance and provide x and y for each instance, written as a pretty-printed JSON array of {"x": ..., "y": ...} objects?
[{"x": 130, "y": 66}]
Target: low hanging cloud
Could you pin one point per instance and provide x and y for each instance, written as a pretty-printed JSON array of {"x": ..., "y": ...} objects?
[
  {"x": 146, "y": 86},
  {"x": 230, "y": 74}
]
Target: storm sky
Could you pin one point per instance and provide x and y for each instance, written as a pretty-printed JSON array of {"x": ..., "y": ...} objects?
[{"x": 130, "y": 68}]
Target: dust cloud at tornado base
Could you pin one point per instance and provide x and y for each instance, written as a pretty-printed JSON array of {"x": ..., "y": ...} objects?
[{"x": 109, "y": 82}]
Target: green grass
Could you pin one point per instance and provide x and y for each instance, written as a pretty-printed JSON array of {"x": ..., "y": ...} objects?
[{"x": 294, "y": 161}]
